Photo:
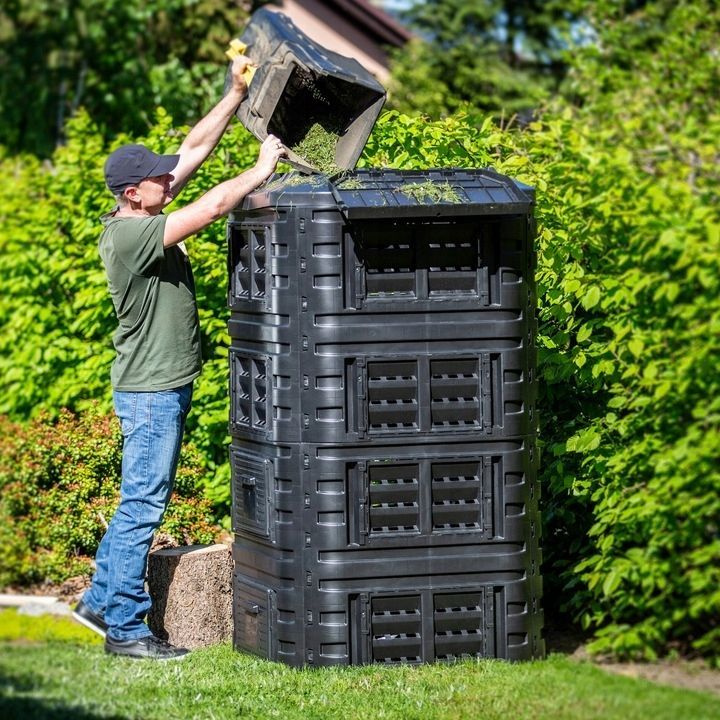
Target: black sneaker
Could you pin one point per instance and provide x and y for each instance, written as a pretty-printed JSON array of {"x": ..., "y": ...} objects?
[
  {"x": 95, "y": 622},
  {"x": 147, "y": 647}
]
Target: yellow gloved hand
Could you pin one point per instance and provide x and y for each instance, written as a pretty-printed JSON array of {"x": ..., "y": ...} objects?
[{"x": 236, "y": 49}]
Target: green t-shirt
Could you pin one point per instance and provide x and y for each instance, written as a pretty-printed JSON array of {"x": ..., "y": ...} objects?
[{"x": 152, "y": 288}]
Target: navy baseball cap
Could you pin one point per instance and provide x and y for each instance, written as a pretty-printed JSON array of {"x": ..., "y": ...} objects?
[{"x": 130, "y": 164}]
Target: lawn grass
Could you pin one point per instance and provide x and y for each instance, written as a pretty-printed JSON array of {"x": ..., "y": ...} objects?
[
  {"x": 15, "y": 627},
  {"x": 72, "y": 678}
]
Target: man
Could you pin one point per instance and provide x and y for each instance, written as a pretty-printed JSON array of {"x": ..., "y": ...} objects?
[{"x": 158, "y": 354}]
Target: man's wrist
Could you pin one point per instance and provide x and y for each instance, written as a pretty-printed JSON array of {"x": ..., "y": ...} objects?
[
  {"x": 257, "y": 177},
  {"x": 237, "y": 94}
]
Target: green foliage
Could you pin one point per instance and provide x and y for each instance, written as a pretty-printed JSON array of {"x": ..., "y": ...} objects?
[
  {"x": 59, "y": 484},
  {"x": 498, "y": 57},
  {"x": 408, "y": 143},
  {"x": 117, "y": 58},
  {"x": 632, "y": 233}
]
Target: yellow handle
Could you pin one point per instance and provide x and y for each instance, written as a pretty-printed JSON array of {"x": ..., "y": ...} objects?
[{"x": 237, "y": 48}]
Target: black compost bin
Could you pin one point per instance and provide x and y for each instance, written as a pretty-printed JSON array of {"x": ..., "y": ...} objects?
[
  {"x": 299, "y": 84},
  {"x": 383, "y": 388}
]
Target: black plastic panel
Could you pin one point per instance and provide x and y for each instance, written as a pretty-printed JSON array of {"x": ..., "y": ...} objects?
[
  {"x": 426, "y": 620},
  {"x": 299, "y": 83},
  {"x": 386, "y": 496}
]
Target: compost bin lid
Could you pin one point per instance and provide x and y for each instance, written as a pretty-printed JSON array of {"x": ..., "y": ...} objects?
[
  {"x": 380, "y": 194},
  {"x": 367, "y": 194}
]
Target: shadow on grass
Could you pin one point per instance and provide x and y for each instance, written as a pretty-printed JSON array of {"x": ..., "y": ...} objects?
[{"x": 15, "y": 705}]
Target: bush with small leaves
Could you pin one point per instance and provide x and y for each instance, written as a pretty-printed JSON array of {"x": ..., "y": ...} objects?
[{"x": 59, "y": 487}]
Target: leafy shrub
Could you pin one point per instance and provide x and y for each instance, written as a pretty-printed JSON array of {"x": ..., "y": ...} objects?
[{"x": 59, "y": 484}]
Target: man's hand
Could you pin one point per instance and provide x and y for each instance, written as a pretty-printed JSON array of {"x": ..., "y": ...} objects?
[
  {"x": 240, "y": 75},
  {"x": 270, "y": 152},
  {"x": 205, "y": 135}
]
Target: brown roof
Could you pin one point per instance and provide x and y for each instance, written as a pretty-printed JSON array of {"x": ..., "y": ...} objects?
[{"x": 373, "y": 20}]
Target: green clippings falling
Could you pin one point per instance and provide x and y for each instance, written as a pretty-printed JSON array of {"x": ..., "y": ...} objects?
[
  {"x": 434, "y": 191},
  {"x": 350, "y": 183},
  {"x": 292, "y": 179},
  {"x": 318, "y": 148},
  {"x": 287, "y": 180}
]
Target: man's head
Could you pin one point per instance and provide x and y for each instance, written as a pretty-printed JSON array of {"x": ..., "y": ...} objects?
[{"x": 139, "y": 176}]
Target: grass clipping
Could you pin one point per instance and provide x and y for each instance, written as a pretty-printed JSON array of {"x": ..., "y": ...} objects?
[
  {"x": 318, "y": 148},
  {"x": 435, "y": 192}
]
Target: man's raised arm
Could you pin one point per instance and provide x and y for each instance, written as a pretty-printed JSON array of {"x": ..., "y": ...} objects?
[
  {"x": 206, "y": 134},
  {"x": 221, "y": 199}
]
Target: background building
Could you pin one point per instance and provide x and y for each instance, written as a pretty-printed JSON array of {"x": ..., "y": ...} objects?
[{"x": 355, "y": 28}]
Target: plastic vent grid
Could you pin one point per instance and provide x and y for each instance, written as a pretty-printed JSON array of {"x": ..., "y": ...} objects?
[
  {"x": 459, "y": 625},
  {"x": 248, "y": 263},
  {"x": 393, "y": 395},
  {"x": 455, "y": 390},
  {"x": 457, "y": 493},
  {"x": 393, "y": 495},
  {"x": 390, "y": 264},
  {"x": 249, "y": 391},
  {"x": 416, "y": 261},
  {"x": 396, "y": 625},
  {"x": 458, "y": 277}
]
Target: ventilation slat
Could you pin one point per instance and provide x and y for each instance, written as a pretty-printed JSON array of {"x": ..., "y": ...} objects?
[
  {"x": 394, "y": 493},
  {"x": 459, "y": 625},
  {"x": 393, "y": 391},
  {"x": 455, "y": 489},
  {"x": 454, "y": 413},
  {"x": 457, "y": 496},
  {"x": 464, "y": 620},
  {"x": 397, "y": 413},
  {"x": 396, "y": 647},
  {"x": 393, "y": 499},
  {"x": 401, "y": 623},
  {"x": 396, "y": 626},
  {"x": 454, "y": 392},
  {"x": 455, "y": 387}
]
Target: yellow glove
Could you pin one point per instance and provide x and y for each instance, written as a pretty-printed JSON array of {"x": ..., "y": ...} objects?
[{"x": 236, "y": 49}]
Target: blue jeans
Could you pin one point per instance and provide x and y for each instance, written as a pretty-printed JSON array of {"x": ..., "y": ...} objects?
[{"x": 152, "y": 427}]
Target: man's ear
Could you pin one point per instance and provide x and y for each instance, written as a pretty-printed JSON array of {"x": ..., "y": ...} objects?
[{"x": 131, "y": 194}]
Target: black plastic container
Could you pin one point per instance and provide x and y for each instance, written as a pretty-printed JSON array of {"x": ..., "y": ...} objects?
[
  {"x": 352, "y": 389},
  {"x": 382, "y": 381},
  {"x": 488, "y": 611},
  {"x": 299, "y": 83},
  {"x": 390, "y": 554},
  {"x": 394, "y": 495}
]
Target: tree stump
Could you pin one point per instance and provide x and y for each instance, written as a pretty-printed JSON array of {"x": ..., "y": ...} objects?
[{"x": 191, "y": 592}]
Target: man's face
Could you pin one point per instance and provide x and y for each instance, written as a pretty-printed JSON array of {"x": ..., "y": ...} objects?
[{"x": 154, "y": 192}]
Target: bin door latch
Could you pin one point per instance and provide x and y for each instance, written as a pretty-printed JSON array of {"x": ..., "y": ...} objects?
[{"x": 252, "y": 608}]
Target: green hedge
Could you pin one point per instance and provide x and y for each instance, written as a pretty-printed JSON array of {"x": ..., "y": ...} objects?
[
  {"x": 59, "y": 487},
  {"x": 629, "y": 284}
]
